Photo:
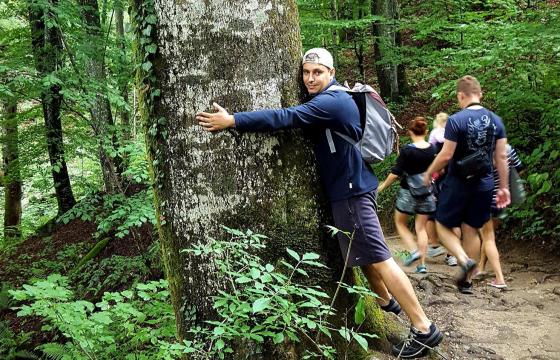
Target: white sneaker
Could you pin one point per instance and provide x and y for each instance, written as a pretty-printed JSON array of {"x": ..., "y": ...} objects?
[
  {"x": 451, "y": 260},
  {"x": 436, "y": 251}
]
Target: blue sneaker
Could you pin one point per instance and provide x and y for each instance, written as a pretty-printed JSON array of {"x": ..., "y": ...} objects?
[
  {"x": 421, "y": 269},
  {"x": 412, "y": 257},
  {"x": 393, "y": 306},
  {"x": 418, "y": 344}
]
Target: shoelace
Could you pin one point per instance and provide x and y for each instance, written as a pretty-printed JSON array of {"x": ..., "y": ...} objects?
[{"x": 411, "y": 340}]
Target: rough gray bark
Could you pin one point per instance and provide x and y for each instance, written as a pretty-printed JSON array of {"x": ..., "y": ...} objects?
[
  {"x": 12, "y": 178},
  {"x": 244, "y": 55},
  {"x": 390, "y": 74},
  {"x": 47, "y": 49},
  {"x": 101, "y": 115}
]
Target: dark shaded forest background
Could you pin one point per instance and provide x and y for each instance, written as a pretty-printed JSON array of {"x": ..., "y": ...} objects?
[{"x": 76, "y": 188}]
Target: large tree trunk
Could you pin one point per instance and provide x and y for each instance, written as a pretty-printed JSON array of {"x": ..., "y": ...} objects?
[
  {"x": 390, "y": 73},
  {"x": 101, "y": 116},
  {"x": 12, "y": 178},
  {"x": 47, "y": 48},
  {"x": 245, "y": 56}
]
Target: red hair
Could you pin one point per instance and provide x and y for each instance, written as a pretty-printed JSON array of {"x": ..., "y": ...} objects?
[{"x": 418, "y": 126}]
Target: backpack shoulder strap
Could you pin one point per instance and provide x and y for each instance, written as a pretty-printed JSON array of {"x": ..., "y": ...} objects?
[
  {"x": 346, "y": 137},
  {"x": 335, "y": 87}
]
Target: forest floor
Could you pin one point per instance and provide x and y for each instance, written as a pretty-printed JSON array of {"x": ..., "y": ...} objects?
[{"x": 520, "y": 322}]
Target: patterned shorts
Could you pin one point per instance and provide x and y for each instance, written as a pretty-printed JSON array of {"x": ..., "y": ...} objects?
[{"x": 408, "y": 204}]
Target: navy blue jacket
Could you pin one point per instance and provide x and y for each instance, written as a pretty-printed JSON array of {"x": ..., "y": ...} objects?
[{"x": 344, "y": 173}]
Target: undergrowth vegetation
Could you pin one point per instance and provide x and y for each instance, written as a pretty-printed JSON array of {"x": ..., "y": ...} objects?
[{"x": 263, "y": 304}]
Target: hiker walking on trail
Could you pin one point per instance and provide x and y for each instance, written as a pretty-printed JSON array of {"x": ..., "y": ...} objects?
[
  {"x": 437, "y": 138},
  {"x": 413, "y": 160},
  {"x": 473, "y": 137},
  {"x": 350, "y": 185},
  {"x": 489, "y": 251}
]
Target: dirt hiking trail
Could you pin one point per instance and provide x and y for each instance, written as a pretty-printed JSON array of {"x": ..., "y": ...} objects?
[{"x": 520, "y": 322}]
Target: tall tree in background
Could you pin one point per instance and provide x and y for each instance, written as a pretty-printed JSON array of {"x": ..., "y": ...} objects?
[
  {"x": 11, "y": 177},
  {"x": 47, "y": 48},
  {"x": 387, "y": 39},
  {"x": 101, "y": 115},
  {"x": 123, "y": 84}
]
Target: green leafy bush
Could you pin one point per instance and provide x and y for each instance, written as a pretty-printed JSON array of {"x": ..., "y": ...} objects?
[
  {"x": 266, "y": 304},
  {"x": 114, "y": 213},
  {"x": 263, "y": 304},
  {"x": 115, "y": 272},
  {"x": 132, "y": 324}
]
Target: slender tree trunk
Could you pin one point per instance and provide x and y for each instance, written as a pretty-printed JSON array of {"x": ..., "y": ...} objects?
[
  {"x": 245, "y": 57},
  {"x": 123, "y": 86},
  {"x": 402, "y": 82},
  {"x": 47, "y": 48},
  {"x": 334, "y": 16},
  {"x": 386, "y": 42},
  {"x": 101, "y": 115},
  {"x": 12, "y": 177}
]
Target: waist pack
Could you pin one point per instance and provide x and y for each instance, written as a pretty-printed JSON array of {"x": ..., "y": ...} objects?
[
  {"x": 379, "y": 127},
  {"x": 417, "y": 187},
  {"x": 474, "y": 166}
]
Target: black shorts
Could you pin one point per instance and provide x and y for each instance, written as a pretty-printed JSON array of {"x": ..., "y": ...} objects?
[
  {"x": 463, "y": 205},
  {"x": 358, "y": 217}
]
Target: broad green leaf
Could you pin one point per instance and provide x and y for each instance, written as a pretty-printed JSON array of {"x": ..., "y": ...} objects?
[
  {"x": 361, "y": 340},
  {"x": 260, "y": 304},
  {"x": 360, "y": 311},
  {"x": 310, "y": 256},
  {"x": 278, "y": 338},
  {"x": 219, "y": 344},
  {"x": 293, "y": 254}
]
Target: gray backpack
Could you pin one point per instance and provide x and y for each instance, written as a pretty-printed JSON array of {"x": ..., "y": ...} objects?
[{"x": 379, "y": 126}]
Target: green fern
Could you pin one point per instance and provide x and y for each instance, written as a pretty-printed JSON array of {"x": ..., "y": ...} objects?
[
  {"x": 56, "y": 351},
  {"x": 10, "y": 342}
]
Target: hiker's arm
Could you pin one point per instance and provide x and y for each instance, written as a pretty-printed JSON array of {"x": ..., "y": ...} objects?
[
  {"x": 441, "y": 160},
  {"x": 396, "y": 171},
  {"x": 317, "y": 112},
  {"x": 500, "y": 159},
  {"x": 391, "y": 178}
]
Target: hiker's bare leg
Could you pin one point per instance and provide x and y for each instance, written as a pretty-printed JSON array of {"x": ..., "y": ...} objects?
[
  {"x": 421, "y": 235},
  {"x": 376, "y": 284},
  {"x": 482, "y": 262},
  {"x": 432, "y": 234},
  {"x": 489, "y": 246},
  {"x": 452, "y": 242},
  {"x": 401, "y": 223},
  {"x": 400, "y": 287},
  {"x": 471, "y": 243}
]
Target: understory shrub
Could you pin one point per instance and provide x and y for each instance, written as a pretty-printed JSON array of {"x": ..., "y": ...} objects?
[{"x": 263, "y": 304}]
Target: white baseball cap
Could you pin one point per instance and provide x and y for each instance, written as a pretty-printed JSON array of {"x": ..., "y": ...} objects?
[{"x": 318, "y": 56}]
